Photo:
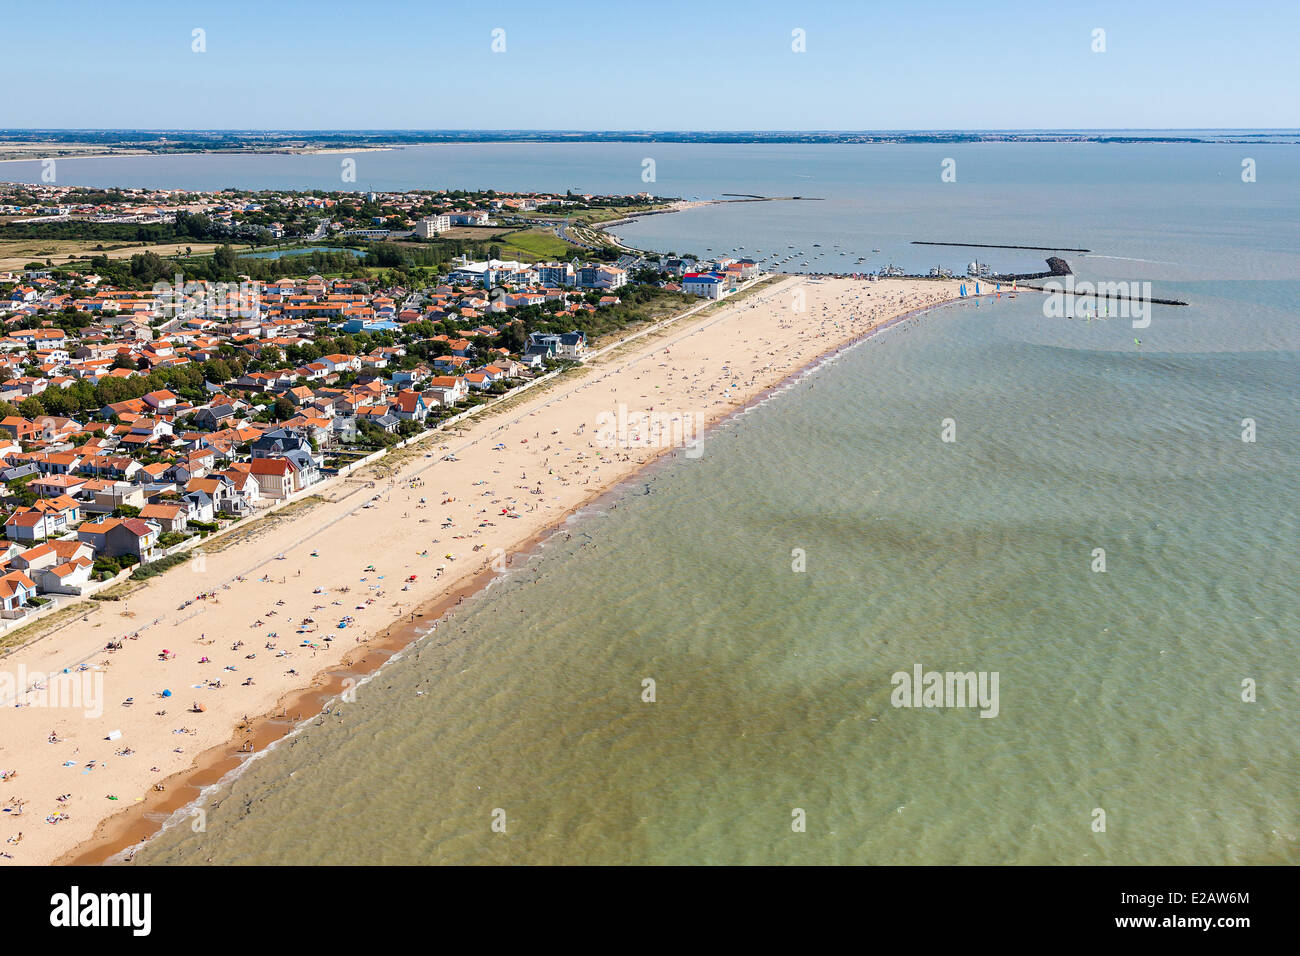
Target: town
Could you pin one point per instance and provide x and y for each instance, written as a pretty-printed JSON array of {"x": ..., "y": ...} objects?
[{"x": 148, "y": 401}]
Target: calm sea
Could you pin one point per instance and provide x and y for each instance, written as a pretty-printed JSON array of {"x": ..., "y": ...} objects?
[{"x": 1118, "y": 691}]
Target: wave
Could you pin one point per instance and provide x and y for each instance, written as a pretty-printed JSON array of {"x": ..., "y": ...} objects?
[{"x": 1158, "y": 262}]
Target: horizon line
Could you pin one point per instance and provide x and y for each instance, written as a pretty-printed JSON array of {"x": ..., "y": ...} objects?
[{"x": 396, "y": 129}]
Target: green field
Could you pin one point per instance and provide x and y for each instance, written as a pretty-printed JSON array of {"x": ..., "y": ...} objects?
[
  {"x": 535, "y": 244},
  {"x": 602, "y": 214}
]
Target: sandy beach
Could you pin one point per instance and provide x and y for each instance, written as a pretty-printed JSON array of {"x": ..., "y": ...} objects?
[{"x": 245, "y": 640}]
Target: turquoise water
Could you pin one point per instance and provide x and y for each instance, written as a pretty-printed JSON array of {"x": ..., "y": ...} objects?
[{"x": 1119, "y": 690}]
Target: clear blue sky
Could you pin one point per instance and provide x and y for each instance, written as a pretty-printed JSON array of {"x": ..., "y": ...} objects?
[{"x": 428, "y": 64}]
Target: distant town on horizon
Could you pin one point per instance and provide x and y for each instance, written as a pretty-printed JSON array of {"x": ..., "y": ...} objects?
[{"x": 177, "y": 140}]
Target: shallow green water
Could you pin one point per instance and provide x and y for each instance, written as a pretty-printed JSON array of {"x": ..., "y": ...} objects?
[{"x": 1118, "y": 690}]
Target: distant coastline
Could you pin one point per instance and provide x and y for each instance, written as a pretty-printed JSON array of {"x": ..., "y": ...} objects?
[
  {"x": 27, "y": 152},
  {"x": 18, "y": 144}
]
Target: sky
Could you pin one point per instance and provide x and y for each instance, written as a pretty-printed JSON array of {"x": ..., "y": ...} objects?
[{"x": 650, "y": 65}]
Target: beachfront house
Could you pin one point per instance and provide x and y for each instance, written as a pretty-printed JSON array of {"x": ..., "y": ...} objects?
[
  {"x": 57, "y": 567},
  {"x": 283, "y": 443},
  {"x": 410, "y": 406},
  {"x": 66, "y": 578},
  {"x": 704, "y": 284},
  {"x": 51, "y": 554},
  {"x": 275, "y": 477},
  {"x": 564, "y": 345},
  {"x": 16, "y": 589},
  {"x": 199, "y": 506},
  {"x": 446, "y": 390},
  {"x": 114, "y": 537},
  {"x": 170, "y": 517}
]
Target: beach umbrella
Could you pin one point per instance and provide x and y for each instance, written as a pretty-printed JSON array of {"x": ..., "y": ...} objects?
[{"x": 167, "y": 693}]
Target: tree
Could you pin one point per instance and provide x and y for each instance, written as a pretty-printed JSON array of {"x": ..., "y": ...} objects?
[
  {"x": 149, "y": 267},
  {"x": 215, "y": 370},
  {"x": 58, "y": 402},
  {"x": 31, "y": 407},
  {"x": 513, "y": 338},
  {"x": 223, "y": 260},
  {"x": 18, "y": 489},
  {"x": 283, "y": 408}
]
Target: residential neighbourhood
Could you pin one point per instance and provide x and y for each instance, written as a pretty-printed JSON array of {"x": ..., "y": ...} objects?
[
  {"x": 134, "y": 421},
  {"x": 274, "y": 215}
]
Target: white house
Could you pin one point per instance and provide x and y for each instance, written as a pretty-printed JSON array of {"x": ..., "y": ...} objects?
[
  {"x": 16, "y": 589},
  {"x": 446, "y": 389},
  {"x": 66, "y": 578}
]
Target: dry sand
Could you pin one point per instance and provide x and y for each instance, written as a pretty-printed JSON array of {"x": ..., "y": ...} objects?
[{"x": 350, "y": 557}]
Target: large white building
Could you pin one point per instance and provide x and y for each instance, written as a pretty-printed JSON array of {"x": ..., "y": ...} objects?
[
  {"x": 703, "y": 284},
  {"x": 430, "y": 226},
  {"x": 602, "y": 277},
  {"x": 474, "y": 217},
  {"x": 494, "y": 272},
  {"x": 557, "y": 273}
]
